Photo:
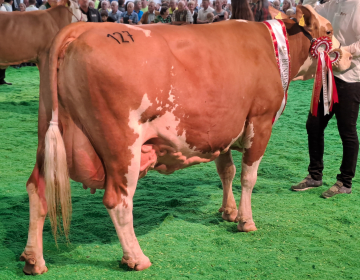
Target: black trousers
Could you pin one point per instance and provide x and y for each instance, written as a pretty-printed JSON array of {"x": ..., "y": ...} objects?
[
  {"x": 2, "y": 74},
  {"x": 346, "y": 112}
]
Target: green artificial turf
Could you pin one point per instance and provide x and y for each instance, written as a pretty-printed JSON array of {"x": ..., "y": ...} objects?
[{"x": 176, "y": 219}]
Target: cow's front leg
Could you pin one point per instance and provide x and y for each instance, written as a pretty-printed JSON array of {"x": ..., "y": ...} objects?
[
  {"x": 226, "y": 170},
  {"x": 33, "y": 253},
  {"x": 118, "y": 200},
  {"x": 250, "y": 164}
]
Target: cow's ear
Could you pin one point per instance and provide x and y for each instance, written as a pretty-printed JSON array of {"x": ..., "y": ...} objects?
[{"x": 305, "y": 17}]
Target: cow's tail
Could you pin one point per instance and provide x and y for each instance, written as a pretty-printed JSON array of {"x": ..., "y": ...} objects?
[{"x": 58, "y": 194}]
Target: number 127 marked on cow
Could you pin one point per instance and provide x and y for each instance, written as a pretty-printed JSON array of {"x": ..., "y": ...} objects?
[{"x": 121, "y": 37}]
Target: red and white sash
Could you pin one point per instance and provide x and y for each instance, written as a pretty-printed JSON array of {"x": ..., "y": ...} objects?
[{"x": 282, "y": 53}]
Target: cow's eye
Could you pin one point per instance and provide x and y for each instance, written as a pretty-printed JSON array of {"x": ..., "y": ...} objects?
[{"x": 328, "y": 32}]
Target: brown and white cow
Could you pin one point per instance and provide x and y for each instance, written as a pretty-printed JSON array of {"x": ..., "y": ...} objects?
[{"x": 107, "y": 128}]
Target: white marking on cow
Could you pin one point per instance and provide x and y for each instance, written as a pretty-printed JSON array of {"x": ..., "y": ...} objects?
[
  {"x": 146, "y": 32},
  {"x": 171, "y": 96},
  {"x": 135, "y": 148},
  {"x": 245, "y": 140},
  {"x": 242, "y": 20}
]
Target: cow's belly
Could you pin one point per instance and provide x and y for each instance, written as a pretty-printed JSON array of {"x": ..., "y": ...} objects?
[{"x": 166, "y": 150}]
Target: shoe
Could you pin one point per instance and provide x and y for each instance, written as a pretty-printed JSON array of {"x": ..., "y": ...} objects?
[
  {"x": 338, "y": 188},
  {"x": 5, "y": 83},
  {"x": 307, "y": 183}
]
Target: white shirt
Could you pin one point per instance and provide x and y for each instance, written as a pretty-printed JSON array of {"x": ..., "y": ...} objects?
[
  {"x": 7, "y": 7},
  {"x": 31, "y": 8},
  {"x": 2, "y": 8},
  {"x": 203, "y": 13},
  {"x": 344, "y": 16}
]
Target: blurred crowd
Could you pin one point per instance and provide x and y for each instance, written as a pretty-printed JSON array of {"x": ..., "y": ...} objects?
[{"x": 162, "y": 11}]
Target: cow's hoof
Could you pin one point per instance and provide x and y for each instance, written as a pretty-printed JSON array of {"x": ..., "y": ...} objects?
[
  {"x": 141, "y": 265},
  {"x": 246, "y": 226},
  {"x": 31, "y": 267},
  {"x": 229, "y": 214}
]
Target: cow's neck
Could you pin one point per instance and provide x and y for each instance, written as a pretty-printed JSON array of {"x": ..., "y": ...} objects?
[
  {"x": 299, "y": 47},
  {"x": 61, "y": 15}
]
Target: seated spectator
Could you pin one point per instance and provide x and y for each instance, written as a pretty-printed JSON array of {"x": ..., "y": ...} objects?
[
  {"x": 181, "y": 15},
  {"x": 157, "y": 7},
  {"x": 260, "y": 10},
  {"x": 93, "y": 15},
  {"x": 286, "y": 5},
  {"x": 164, "y": 16},
  {"x": 91, "y": 4},
  {"x": 31, "y": 6},
  {"x": 150, "y": 15},
  {"x": 104, "y": 6},
  {"x": 115, "y": 13},
  {"x": 129, "y": 17},
  {"x": 276, "y": 5},
  {"x": 2, "y": 9},
  {"x": 219, "y": 13},
  {"x": 121, "y": 6},
  {"x": 144, "y": 6},
  {"x": 290, "y": 13},
  {"x": 104, "y": 16},
  {"x": 172, "y": 5},
  {"x": 137, "y": 8},
  {"x": 204, "y": 11},
  {"x": 191, "y": 7},
  {"x": 8, "y": 5},
  {"x": 22, "y": 7}
]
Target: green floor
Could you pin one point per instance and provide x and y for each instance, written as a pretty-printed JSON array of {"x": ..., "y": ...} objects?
[{"x": 300, "y": 235}]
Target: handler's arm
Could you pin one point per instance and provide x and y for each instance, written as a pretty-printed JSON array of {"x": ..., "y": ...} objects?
[{"x": 354, "y": 48}]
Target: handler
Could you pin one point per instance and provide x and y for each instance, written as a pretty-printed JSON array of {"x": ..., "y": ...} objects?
[{"x": 344, "y": 16}]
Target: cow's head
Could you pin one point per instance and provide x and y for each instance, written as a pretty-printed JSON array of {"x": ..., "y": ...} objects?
[
  {"x": 73, "y": 7},
  {"x": 318, "y": 26}
]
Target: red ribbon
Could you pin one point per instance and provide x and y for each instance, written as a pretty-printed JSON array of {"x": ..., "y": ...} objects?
[{"x": 318, "y": 85}]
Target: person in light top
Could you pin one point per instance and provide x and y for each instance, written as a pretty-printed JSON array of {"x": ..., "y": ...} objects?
[{"x": 344, "y": 15}]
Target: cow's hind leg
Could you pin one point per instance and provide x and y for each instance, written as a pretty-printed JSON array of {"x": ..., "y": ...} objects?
[
  {"x": 118, "y": 200},
  {"x": 33, "y": 253},
  {"x": 226, "y": 170},
  {"x": 250, "y": 163}
]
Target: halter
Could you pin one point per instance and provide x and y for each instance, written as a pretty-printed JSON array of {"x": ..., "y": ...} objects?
[{"x": 81, "y": 17}]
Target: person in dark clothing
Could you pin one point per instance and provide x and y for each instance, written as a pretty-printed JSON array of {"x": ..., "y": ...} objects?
[
  {"x": 260, "y": 10},
  {"x": 92, "y": 14},
  {"x": 2, "y": 78}
]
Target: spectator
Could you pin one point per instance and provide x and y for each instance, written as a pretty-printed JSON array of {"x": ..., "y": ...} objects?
[
  {"x": 150, "y": 15},
  {"x": 276, "y": 5},
  {"x": 22, "y": 7},
  {"x": 8, "y": 5},
  {"x": 164, "y": 16},
  {"x": 26, "y": 2},
  {"x": 129, "y": 17},
  {"x": 191, "y": 7},
  {"x": 242, "y": 10},
  {"x": 44, "y": 5},
  {"x": 31, "y": 6},
  {"x": 204, "y": 11},
  {"x": 104, "y": 16},
  {"x": 93, "y": 15},
  {"x": 181, "y": 15},
  {"x": 144, "y": 6},
  {"x": 197, "y": 7},
  {"x": 294, "y": 4},
  {"x": 219, "y": 13},
  {"x": 91, "y": 4},
  {"x": 115, "y": 13},
  {"x": 137, "y": 9},
  {"x": 290, "y": 13},
  {"x": 104, "y": 6},
  {"x": 2, "y": 71},
  {"x": 210, "y": 17},
  {"x": 286, "y": 5},
  {"x": 157, "y": 7},
  {"x": 2, "y": 9},
  {"x": 16, "y": 5},
  {"x": 261, "y": 10},
  {"x": 172, "y": 6},
  {"x": 121, "y": 6}
]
